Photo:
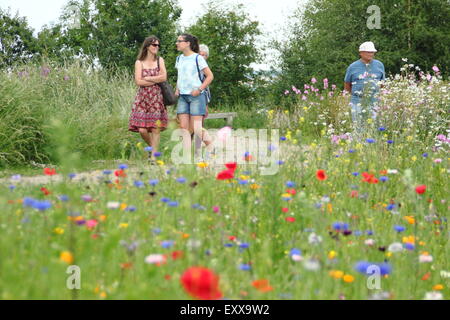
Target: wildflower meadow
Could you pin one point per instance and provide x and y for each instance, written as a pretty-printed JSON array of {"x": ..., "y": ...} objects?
[{"x": 342, "y": 217}]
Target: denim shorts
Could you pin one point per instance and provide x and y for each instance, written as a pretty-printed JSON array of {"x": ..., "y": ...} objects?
[{"x": 195, "y": 106}]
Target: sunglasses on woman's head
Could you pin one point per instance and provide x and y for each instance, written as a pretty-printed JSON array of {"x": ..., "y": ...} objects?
[{"x": 178, "y": 41}]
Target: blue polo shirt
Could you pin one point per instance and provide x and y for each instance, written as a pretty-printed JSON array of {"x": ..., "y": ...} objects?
[{"x": 364, "y": 79}]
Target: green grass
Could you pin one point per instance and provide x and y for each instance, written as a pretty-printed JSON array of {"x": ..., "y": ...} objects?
[
  {"x": 33, "y": 269},
  {"x": 57, "y": 122}
]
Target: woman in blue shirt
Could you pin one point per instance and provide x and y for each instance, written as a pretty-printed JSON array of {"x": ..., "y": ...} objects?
[{"x": 190, "y": 89}]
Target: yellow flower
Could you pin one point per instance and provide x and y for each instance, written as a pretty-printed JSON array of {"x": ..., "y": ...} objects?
[
  {"x": 254, "y": 186},
  {"x": 160, "y": 162},
  {"x": 337, "y": 274},
  {"x": 103, "y": 295},
  {"x": 66, "y": 256},
  {"x": 348, "y": 278},
  {"x": 413, "y": 158},
  {"x": 332, "y": 254},
  {"x": 58, "y": 230},
  {"x": 185, "y": 235},
  {"x": 438, "y": 287},
  {"x": 302, "y": 119},
  {"x": 369, "y": 121},
  {"x": 410, "y": 219},
  {"x": 202, "y": 164},
  {"x": 409, "y": 239},
  {"x": 123, "y": 225},
  {"x": 123, "y": 206}
]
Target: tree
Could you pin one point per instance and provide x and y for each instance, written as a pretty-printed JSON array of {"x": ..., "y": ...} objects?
[
  {"x": 231, "y": 37},
  {"x": 113, "y": 30},
  {"x": 327, "y": 33},
  {"x": 17, "y": 43}
]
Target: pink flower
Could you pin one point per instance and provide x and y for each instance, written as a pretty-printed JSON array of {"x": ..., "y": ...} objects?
[
  {"x": 91, "y": 223},
  {"x": 313, "y": 80},
  {"x": 435, "y": 69},
  {"x": 216, "y": 209},
  {"x": 286, "y": 92}
]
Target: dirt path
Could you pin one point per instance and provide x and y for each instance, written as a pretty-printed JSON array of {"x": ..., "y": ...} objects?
[{"x": 285, "y": 149}]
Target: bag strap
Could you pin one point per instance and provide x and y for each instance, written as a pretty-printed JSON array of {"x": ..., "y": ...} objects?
[
  {"x": 198, "y": 69},
  {"x": 157, "y": 62}
]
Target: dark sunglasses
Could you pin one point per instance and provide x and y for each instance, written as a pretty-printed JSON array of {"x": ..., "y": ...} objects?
[
  {"x": 156, "y": 45},
  {"x": 178, "y": 41}
]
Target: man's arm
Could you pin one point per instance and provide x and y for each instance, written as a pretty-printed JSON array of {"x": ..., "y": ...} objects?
[{"x": 348, "y": 87}]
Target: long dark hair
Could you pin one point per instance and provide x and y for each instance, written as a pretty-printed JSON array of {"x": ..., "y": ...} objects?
[
  {"x": 193, "y": 41},
  {"x": 147, "y": 42}
]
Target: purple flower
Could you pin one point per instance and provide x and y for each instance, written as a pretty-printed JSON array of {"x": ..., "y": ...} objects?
[
  {"x": 383, "y": 179},
  {"x": 370, "y": 140},
  {"x": 399, "y": 228},
  {"x": 157, "y": 154}
]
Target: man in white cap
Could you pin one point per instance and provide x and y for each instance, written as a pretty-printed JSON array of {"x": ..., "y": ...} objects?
[{"x": 361, "y": 79}]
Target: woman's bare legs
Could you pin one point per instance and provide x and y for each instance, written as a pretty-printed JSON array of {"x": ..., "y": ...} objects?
[
  {"x": 197, "y": 127},
  {"x": 184, "y": 124},
  {"x": 156, "y": 136},
  {"x": 146, "y": 135}
]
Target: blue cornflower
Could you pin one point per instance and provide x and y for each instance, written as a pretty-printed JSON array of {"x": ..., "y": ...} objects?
[
  {"x": 63, "y": 197},
  {"x": 148, "y": 149},
  {"x": 106, "y": 172},
  {"x": 181, "y": 180},
  {"x": 12, "y": 187},
  {"x": 409, "y": 246},
  {"x": 138, "y": 184},
  {"x": 245, "y": 266},
  {"x": 156, "y": 230},
  {"x": 295, "y": 251},
  {"x": 123, "y": 166},
  {"x": 173, "y": 203},
  {"x": 351, "y": 151},
  {"x": 244, "y": 245},
  {"x": 130, "y": 208},
  {"x": 157, "y": 154},
  {"x": 283, "y": 138},
  {"x": 42, "y": 205},
  {"x": 381, "y": 129},
  {"x": 72, "y": 175},
  {"x": 384, "y": 178},
  {"x": 425, "y": 155},
  {"x": 28, "y": 202},
  {"x": 399, "y": 228},
  {"x": 390, "y": 206},
  {"x": 153, "y": 182},
  {"x": 390, "y": 141},
  {"x": 165, "y": 200},
  {"x": 355, "y": 174},
  {"x": 167, "y": 243},
  {"x": 243, "y": 181},
  {"x": 290, "y": 184},
  {"x": 228, "y": 245},
  {"x": 370, "y": 140}
]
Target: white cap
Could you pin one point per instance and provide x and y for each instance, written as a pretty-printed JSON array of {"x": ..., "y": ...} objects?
[{"x": 367, "y": 46}]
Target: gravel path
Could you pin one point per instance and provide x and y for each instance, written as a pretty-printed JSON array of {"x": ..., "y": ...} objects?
[{"x": 286, "y": 150}]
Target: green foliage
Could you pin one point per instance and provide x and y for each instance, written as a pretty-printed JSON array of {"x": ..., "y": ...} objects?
[
  {"x": 231, "y": 37},
  {"x": 326, "y": 35},
  {"x": 113, "y": 30},
  {"x": 17, "y": 43}
]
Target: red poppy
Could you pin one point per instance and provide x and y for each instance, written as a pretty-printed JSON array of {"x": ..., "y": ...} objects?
[
  {"x": 177, "y": 255},
  {"x": 290, "y": 219},
  {"x": 369, "y": 178},
  {"x": 232, "y": 238},
  {"x": 320, "y": 174},
  {"x": 45, "y": 191},
  {"x": 291, "y": 191},
  {"x": 49, "y": 172},
  {"x": 262, "y": 285},
  {"x": 201, "y": 283},
  {"x": 120, "y": 173},
  {"x": 421, "y": 189},
  {"x": 225, "y": 174},
  {"x": 285, "y": 210},
  {"x": 354, "y": 194},
  {"x": 231, "y": 165}
]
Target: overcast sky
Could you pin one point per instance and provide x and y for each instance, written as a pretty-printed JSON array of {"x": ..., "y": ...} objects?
[{"x": 271, "y": 14}]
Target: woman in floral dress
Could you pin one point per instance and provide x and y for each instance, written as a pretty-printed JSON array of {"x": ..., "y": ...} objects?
[{"x": 149, "y": 115}]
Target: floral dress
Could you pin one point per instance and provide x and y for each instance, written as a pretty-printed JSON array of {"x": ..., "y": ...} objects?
[{"x": 148, "y": 108}]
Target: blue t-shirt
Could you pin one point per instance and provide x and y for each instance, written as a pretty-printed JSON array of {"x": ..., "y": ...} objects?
[
  {"x": 364, "y": 78},
  {"x": 188, "y": 79}
]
